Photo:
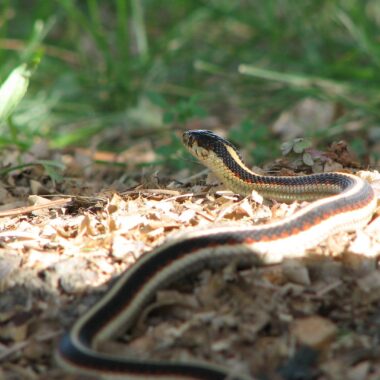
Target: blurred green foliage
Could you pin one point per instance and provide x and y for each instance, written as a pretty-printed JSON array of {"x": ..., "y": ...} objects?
[
  {"x": 153, "y": 66},
  {"x": 257, "y": 138}
]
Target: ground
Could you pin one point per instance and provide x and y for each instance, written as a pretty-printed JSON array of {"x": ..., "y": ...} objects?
[{"x": 312, "y": 318}]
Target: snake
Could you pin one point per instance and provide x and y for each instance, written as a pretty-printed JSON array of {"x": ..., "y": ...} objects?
[{"x": 341, "y": 202}]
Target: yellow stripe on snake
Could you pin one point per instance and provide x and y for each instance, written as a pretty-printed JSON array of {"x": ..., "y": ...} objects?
[{"x": 347, "y": 203}]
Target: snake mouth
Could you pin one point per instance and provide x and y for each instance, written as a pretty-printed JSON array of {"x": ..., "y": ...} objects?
[{"x": 188, "y": 139}]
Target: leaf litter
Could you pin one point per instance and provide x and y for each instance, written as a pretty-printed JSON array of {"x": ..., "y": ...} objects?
[{"x": 318, "y": 317}]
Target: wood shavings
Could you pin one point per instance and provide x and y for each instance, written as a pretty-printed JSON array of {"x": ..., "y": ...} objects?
[
  {"x": 255, "y": 321},
  {"x": 296, "y": 272},
  {"x": 314, "y": 331}
]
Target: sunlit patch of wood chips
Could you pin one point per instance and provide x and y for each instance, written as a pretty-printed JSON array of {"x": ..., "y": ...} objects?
[{"x": 319, "y": 316}]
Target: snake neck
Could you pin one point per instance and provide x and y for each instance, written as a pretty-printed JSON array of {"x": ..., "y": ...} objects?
[{"x": 229, "y": 167}]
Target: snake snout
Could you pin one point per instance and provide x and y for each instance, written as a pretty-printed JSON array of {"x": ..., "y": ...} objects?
[{"x": 188, "y": 139}]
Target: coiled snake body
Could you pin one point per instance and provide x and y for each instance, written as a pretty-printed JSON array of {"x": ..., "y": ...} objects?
[{"x": 349, "y": 205}]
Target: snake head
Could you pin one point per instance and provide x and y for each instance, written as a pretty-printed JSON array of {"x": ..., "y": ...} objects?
[{"x": 204, "y": 144}]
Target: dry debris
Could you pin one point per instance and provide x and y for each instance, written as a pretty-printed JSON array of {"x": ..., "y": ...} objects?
[{"x": 317, "y": 318}]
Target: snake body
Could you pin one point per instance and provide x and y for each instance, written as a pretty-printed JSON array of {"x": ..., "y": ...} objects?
[{"x": 349, "y": 205}]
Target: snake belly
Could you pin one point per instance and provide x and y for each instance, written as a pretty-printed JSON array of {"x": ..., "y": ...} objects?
[{"x": 342, "y": 202}]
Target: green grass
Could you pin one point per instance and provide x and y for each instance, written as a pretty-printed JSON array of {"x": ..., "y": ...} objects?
[{"x": 152, "y": 66}]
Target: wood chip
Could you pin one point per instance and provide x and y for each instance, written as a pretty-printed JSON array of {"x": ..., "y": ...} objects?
[{"x": 314, "y": 331}]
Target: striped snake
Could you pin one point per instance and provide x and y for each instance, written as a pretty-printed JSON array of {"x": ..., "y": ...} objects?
[{"x": 349, "y": 205}]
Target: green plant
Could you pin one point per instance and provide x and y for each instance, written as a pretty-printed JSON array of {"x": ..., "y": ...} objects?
[
  {"x": 14, "y": 87},
  {"x": 181, "y": 111},
  {"x": 251, "y": 59},
  {"x": 177, "y": 114},
  {"x": 256, "y": 138}
]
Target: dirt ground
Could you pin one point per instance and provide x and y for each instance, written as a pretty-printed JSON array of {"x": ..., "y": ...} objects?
[{"x": 61, "y": 243}]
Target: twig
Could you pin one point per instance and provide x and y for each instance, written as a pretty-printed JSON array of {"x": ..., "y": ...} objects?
[{"x": 28, "y": 209}]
